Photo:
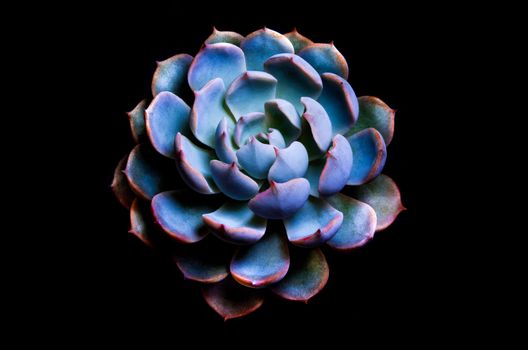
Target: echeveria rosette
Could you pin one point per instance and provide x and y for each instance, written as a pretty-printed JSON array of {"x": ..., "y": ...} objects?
[{"x": 259, "y": 159}]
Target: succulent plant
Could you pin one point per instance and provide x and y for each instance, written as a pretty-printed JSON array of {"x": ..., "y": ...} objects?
[{"x": 258, "y": 159}]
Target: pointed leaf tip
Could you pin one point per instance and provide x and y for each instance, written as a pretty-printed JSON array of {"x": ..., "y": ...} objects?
[
  {"x": 232, "y": 182},
  {"x": 262, "y": 44},
  {"x": 299, "y": 41},
  {"x": 136, "y": 118},
  {"x": 325, "y": 58},
  {"x": 171, "y": 74},
  {"x": 281, "y": 200},
  {"x": 291, "y": 163},
  {"x": 218, "y": 36}
]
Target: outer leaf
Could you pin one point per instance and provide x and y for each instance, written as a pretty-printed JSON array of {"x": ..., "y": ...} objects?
[
  {"x": 224, "y": 37},
  {"x": 261, "y": 45},
  {"x": 370, "y": 154},
  {"x": 235, "y": 223},
  {"x": 230, "y": 300},
  {"x": 359, "y": 222},
  {"x": 220, "y": 60},
  {"x": 136, "y": 118},
  {"x": 262, "y": 263},
  {"x": 340, "y": 102},
  {"x": 249, "y": 92},
  {"x": 149, "y": 173},
  {"x": 314, "y": 224},
  {"x": 299, "y": 41},
  {"x": 120, "y": 186},
  {"x": 296, "y": 78},
  {"x": 166, "y": 116},
  {"x": 180, "y": 214},
  {"x": 171, "y": 74},
  {"x": 206, "y": 261},
  {"x": 281, "y": 200},
  {"x": 374, "y": 113},
  {"x": 208, "y": 110},
  {"x": 325, "y": 58},
  {"x": 141, "y": 222},
  {"x": 383, "y": 196},
  {"x": 306, "y": 277},
  {"x": 193, "y": 165}
]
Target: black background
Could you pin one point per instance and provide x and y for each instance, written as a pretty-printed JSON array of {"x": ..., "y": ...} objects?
[{"x": 401, "y": 281}]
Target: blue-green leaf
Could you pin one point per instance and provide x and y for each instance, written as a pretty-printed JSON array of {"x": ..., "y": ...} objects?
[
  {"x": 314, "y": 224},
  {"x": 291, "y": 163},
  {"x": 296, "y": 78},
  {"x": 233, "y": 222},
  {"x": 120, "y": 186},
  {"x": 222, "y": 60},
  {"x": 136, "y": 118},
  {"x": 325, "y": 58},
  {"x": 171, "y": 74},
  {"x": 208, "y": 110},
  {"x": 256, "y": 158},
  {"x": 338, "y": 165},
  {"x": 262, "y": 263},
  {"x": 306, "y": 277},
  {"x": 340, "y": 102},
  {"x": 230, "y": 300},
  {"x": 374, "y": 113},
  {"x": 281, "y": 200},
  {"x": 370, "y": 154},
  {"x": 383, "y": 195},
  {"x": 261, "y": 45},
  {"x": 180, "y": 214},
  {"x": 359, "y": 222},
  {"x": 193, "y": 165},
  {"x": 166, "y": 116},
  {"x": 249, "y": 92}
]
